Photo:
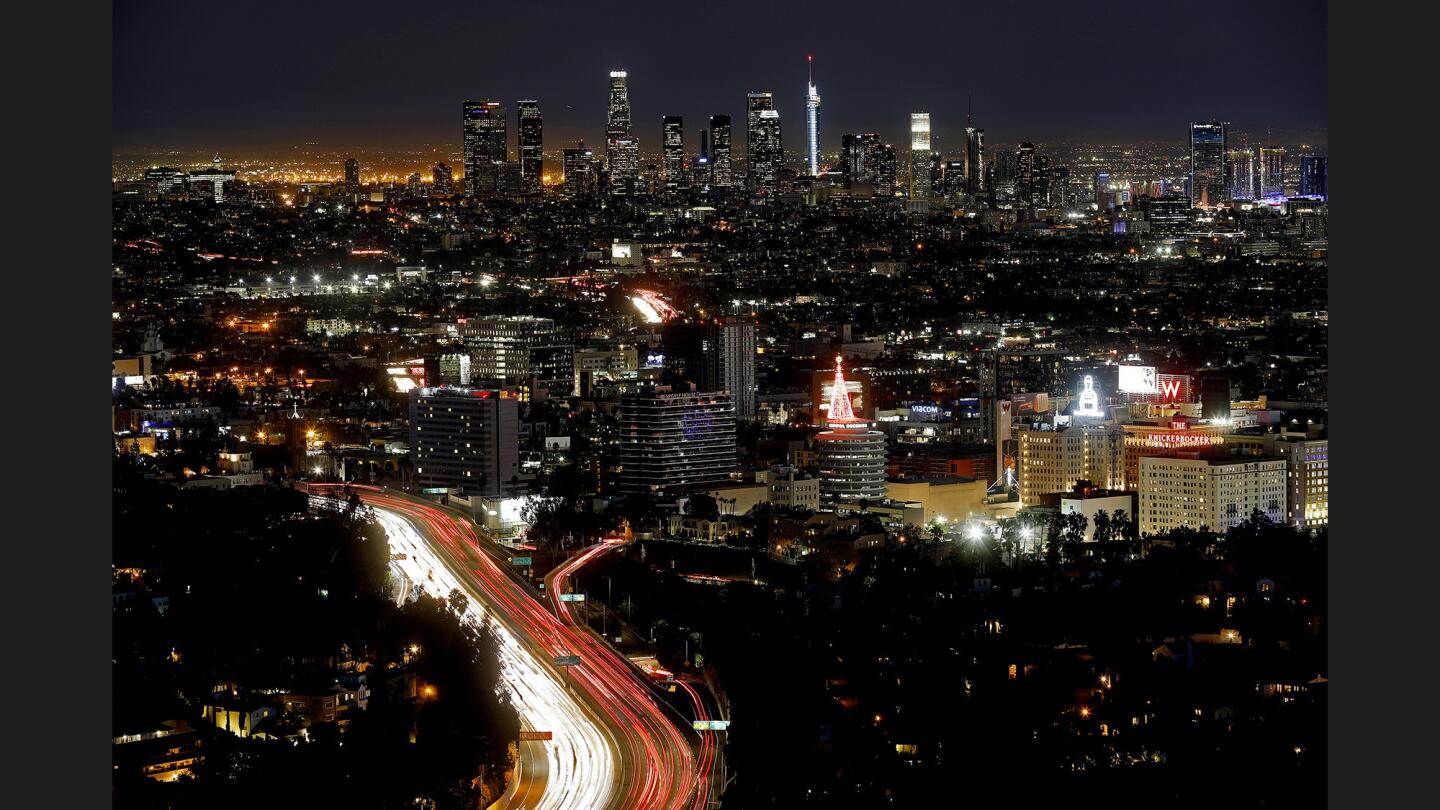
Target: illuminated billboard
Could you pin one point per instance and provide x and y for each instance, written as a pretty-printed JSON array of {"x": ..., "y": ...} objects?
[{"x": 1139, "y": 380}]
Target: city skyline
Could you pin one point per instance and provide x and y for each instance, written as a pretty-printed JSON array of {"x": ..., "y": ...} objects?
[{"x": 407, "y": 102}]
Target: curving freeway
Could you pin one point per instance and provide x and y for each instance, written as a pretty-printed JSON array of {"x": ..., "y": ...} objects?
[
  {"x": 556, "y": 583},
  {"x": 612, "y": 744}
]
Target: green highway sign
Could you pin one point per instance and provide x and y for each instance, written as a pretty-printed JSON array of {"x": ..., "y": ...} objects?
[
  {"x": 567, "y": 660},
  {"x": 711, "y": 725},
  {"x": 521, "y": 561},
  {"x": 435, "y": 490},
  {"x": 572, "y": 597}
]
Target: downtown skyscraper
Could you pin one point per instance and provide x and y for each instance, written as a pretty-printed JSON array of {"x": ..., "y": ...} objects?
[
  {"x": 764, "y": 155},
  {"x": 531, "y": 127},
  {"x": 919, "y": 155},
  {"x": 1207, "y": 163},
  {"x": 622, "y": 150},
  {"x": 721, "y": 173},
  {"x": 484, "y": 141},
  {"x": 672, "y": 157},
  {"x": 812, "y": 123},
  {"x": 974, "y": 159}
]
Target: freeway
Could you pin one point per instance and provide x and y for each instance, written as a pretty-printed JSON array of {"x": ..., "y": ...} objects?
[
  {"x": 556, "y": 583},
  {"x": 612, "y": 746}
]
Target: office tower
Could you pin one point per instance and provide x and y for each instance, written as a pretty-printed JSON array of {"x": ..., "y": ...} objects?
[
  {"x": 500, "y": 346},
  {"x": 1207, "y": 163},
  {"x": 720, "y": 167},
  {"x": 465, "y": 439},
  {"x": 1313, "y": 174},
  {"x": 414, "y": 188},
  {"x": 763, "y": 156},
  {"x": 812, "y": 122},
  {"x": 937, "y": 175},
  {"x": 1168, "y": 216},
  {"x": 852, "y": 157},
  {"x": 1060, "y": 187},
  {"x": 1208, "y": 491},
  {"x": 165, "y": 180},
  {"x": 919, "y": 156},
  {"x": 485, "y": 145},
  {"x": 1053, "y": 461},
  {"x": 212, "y": 181},
  {"x": 672, "y": 443},
  {"x": 1102, "y": 191},
  {"x": 1271, "y": 172},
  {"x": 444, "y": 179},
  {"x": 1040, "y": 182},
  {"x": 851, "y": 454},
  {"x": 672, "y": 163},
  {"x": 1025, "y": 173},
  {"x": 715, "y": 355},
  {"x": 531, "y": 126},
  {"x": 1307, "y": 467},
  {"x": 705, "y": 143},
  {"x": 352, "y": 174},
  {"x": 578, "y": 165},
  {"x": 954, "y": 179},
  {"x": 974, "y": 160},
  {"x": 448, "y": 369},
  {"x": 1240, "y": 171},
  {"x": 622, "y": 149},
  {"x": 882, "y": 166}
]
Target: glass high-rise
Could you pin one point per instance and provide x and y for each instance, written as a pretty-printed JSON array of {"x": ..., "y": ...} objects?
[
  {"x": 1313, "y": 174},
  {"x": 1270, "y": 172},
  {"x": 1240, "y": 171},
  {"x": 532, "y": 145},
  {"x": 812, "y": 125},
  {"x": 483, "y": 124},
  {"x": 974, "y": 160},
  {"x": 763, "y": 147},
  {"x": 672, "y": 163},
  {"x": 720, "y": 172},
  {"x": 622, "y": 150},
  {"x": 1207, "y": 163},
  {"x": 919, "y": 155}
]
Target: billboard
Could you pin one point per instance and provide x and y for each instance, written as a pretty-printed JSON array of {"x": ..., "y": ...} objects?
[{"x": 1139, "y": 380}]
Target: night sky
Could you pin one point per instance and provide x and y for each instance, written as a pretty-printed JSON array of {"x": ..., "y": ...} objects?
[{"x": 380, "y": 73}]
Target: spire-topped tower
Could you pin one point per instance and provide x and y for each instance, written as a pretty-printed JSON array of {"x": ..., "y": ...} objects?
[{"x": 812, "y": 121}]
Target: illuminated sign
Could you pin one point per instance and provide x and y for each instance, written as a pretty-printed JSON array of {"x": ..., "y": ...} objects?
[
  {"x": 711, "y": 725},
  {"x": 567, "y": 660},
  {"x": 1176, "y": 441},
  {"x": 536, "y": 736},
  {"x": 521, "y": 561},
  {"x": 924, "y": 410},
  {"x": 1138, "y": 380},
  {"x": 1089, "y": 400},
  {"x": 572, "y": 597},
  {"x": 654, "y": 360},
  {"x": 1174, "y": 387}
]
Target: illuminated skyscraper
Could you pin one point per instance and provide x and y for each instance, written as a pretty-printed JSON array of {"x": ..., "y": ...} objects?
[
  {"x": 444, "y": 179},
  {"x": 919, "y": 156},
  {"x": 882, "y": 166},
  {"x": 1241, "y": 174},
  {"x": 812, "y": 123},
  {"x": 1207, "y": 163},
  {"x": 1313, "y": 172},
  {"x": 763, "y": 146},
  {"x": 974, "y": 160},
  {"x": 532, "y": 145},
  {"x": 1271, "y": 172},
  {"x": 352, "y": 174},
  {"x": 1025, "y": 173},
  {"x": 1102, "y": 191},
  {"x": 720, "y": 171},
  {"x": 672, "y": 164},
  {"x": 485, "y": 145},
  {"x": 622, "y": 150},
  {"x": 851, "y": 454},
  {"x": 579, "y": 168}
]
